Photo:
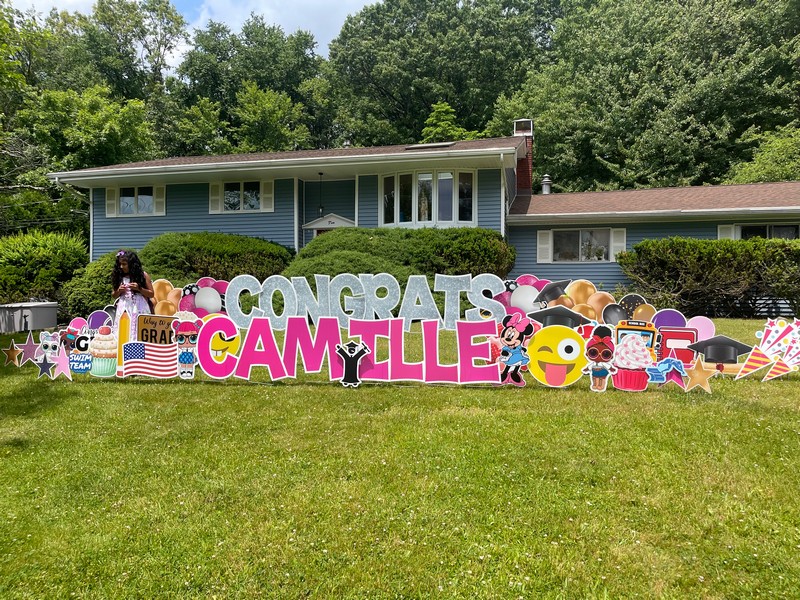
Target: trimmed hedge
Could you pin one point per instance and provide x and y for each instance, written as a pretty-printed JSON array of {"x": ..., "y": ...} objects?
[
  {"x": 37, "y": 264},
  {"x": 185, "y": 257},
  {"x": 717, "y": 278},
  {"x": 454, "y": 251}
]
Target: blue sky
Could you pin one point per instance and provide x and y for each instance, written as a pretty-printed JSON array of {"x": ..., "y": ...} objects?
[{"x": 323, "y": 18}]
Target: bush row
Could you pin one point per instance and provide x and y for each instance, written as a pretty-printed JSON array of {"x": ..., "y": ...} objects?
[{"x": 716, "y": 278}]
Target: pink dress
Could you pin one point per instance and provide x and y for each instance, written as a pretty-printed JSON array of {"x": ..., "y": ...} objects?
[{"x": 135, "y": 304}]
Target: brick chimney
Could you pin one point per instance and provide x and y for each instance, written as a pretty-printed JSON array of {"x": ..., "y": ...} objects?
[{"x": 524, "y": 128}]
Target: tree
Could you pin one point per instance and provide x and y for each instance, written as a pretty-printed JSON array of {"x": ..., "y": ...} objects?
[
  {"x": 656, "y": 93},
  {"x": 268, "y": 121},
  {"x": 441, "y": 126},
  {"x": 202, "y": 131},
  {"x": 163, "y": 29},
  {"x": 393, "y": 60},
  {"x": 776, "y": 158}
]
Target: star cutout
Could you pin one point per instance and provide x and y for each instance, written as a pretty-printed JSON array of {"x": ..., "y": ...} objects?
[
  {"x": 12, "y": 354},
  {"x": 29, "y": 349},
  {"x": 676, "y": 377},
  {"x": 62, "y": 364},
  {"x": 699, "y": 375},
  {"x": 44, "y": 367}
]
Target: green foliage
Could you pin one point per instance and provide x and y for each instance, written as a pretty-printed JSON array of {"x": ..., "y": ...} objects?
[
  {"x": 90, "y": 289},
  {"x": 268, "y": 121},
  {"x": 777, "y": 158},
  {"x": 34, "y": 209},
  {"x": 184, "y": 257},
  {"x": 715, "y": 277},
  {"x": 337, "y": 262},
  {"x": 441, "y": 126},
  {"x": 656, "y": 93},
  {"x": 393, "y": 60},
  {"x": 36, "y": 264},
  {"x": 202, "y": 131}
]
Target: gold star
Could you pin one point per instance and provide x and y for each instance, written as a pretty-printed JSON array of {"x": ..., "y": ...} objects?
[
  {"x": 699, "y": 376},
  {"x": 12, "y": 352}
]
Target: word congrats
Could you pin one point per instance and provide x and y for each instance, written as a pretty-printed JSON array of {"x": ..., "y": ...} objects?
[{"x": 365, "y": 297}]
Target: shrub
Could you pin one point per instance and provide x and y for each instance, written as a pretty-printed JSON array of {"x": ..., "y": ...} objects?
[
  {"x": 91, "y": 288},
  {"x": 37, "y": 264},
  {"x": 337, "y": 262},
  {"x": 723, "y": 278},
  {"x": 184, "y": 257}
]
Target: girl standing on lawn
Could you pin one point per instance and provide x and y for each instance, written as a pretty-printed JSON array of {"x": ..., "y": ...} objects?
[{"x": 132, "y": 289}]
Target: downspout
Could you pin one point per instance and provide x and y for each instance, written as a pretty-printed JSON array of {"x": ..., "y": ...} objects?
[
  {"x": 91, "y": 223},
  {"x": 503, "y": 199},
  {"x": 296, "y": 216}
]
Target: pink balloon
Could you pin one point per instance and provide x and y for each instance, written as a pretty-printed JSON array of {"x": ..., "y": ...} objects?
[
  {"x": 78, "y": 323},
  {"x": 221, "y": 286},
  {"x": 539, "y": 285},
  {"x": 206, "y": 282},
  {"x": 705, "y": 327},
  {"x": 527, "y": 280}
]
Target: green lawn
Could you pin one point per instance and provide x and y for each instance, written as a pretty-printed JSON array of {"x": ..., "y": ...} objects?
[{"x": 143, "y": 489}]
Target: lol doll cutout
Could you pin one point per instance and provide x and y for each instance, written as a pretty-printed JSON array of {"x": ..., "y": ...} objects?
[
  {"x": 186, "y": 337},
  {"x": 514, "y": 355},
  {"x": 600, "y": 352}
]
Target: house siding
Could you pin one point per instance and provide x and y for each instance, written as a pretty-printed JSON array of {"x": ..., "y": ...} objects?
[
  {"x": 187, "y": 210},
  {"x": 605, "y": 275},
  {"x": 367, "y": 201},
  {"x": 490, "y": 204},
  {"x": 338, "y": 197}
]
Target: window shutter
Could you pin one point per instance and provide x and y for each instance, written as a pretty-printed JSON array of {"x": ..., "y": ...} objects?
[
  {"x": 544, "y": 246},
  {"x": 112, "y": 201},
  {"x": 160, "y": 200},
  {"x": 618, "y": 243},
  {"x": 267, "y": 196},
  {"x": 214, "y": 197},
  {"x": 726, "y": 232}
]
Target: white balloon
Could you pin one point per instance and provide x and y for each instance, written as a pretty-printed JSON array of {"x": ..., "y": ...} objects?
[
  {"x": 208, "y": 299},
  {"x": 523, "y": 297}
]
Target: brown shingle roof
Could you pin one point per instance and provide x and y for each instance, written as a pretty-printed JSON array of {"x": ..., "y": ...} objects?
[
  {"x": 333, "y": 153},
  {"x": 722, "y": 198}
]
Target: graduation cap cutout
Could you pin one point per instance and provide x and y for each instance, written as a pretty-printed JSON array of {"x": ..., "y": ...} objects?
[
  {"x": 720, "y": 349},
  {"x": 352, "y": 347},
  {"x": 559, "y": 315},
  {"x": 553, "y": 291}
]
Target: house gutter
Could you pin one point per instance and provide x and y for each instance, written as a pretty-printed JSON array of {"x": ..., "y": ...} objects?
[{"x": 653, "y": 215}]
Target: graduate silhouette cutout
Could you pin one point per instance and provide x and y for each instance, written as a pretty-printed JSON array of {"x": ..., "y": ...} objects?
[{"x": 351, "y": 354}]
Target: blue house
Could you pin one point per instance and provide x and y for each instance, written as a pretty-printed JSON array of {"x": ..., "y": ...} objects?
[{"x": 290, "y": 197}]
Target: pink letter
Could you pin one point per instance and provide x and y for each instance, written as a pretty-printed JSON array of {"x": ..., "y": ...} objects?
[
  {"x": 369, "y": 331},
  {"x": 468, "y": 352},
  {"x": 224, "y": 326},
  {"x": 312, "y": 349},
  {"x": 399, "y": 369},
  {"x": 434, "y": 372},
  {"x": 259, "y": 349}
]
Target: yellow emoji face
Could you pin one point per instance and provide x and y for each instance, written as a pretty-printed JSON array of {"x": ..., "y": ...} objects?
[
  {"x": 556, "y": 354},
  {"x": 220, "y": 345}
]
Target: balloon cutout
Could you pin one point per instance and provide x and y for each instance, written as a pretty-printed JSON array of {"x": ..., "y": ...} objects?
[
  {"x": 630, "y": 302},
  {"x": 613, "y": 314},
  {"x": 523, "y": 297},
  {"x": 599, "y": 300},
  {"x": 704, "y": 326},
  {"x": 585, "y": 310},
  {"x": 99, "y": 318},
  {"x": 580, "y": 290},
  {"x": 644, "y": 312},
  {"x": 669, "y": 317}
]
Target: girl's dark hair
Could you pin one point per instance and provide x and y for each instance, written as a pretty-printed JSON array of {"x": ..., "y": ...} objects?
[{"x": 135, "y": 271}]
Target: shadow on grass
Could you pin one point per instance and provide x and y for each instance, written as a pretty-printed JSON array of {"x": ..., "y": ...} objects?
[{"x": 29, "y": 399}]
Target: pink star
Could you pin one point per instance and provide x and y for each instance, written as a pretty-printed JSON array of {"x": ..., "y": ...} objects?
[
  {"x": 29, "y": 349},
  {"x": 62, "y": 364},
  {"x": 675, "y": 377}
]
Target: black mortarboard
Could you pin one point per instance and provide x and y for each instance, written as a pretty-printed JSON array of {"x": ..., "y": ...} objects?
[
  {"x": 351, "y": 346},
  {"x": 720, "y": 349},
  {"x": 553, "y": 291},
  {"x": 558, "y": 315}
]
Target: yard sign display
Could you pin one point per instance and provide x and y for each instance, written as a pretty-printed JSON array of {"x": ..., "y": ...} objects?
[{"x": 514, "y": 332}]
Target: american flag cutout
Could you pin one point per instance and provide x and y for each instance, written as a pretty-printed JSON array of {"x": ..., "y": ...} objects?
[{"x": 152, "y": 360}]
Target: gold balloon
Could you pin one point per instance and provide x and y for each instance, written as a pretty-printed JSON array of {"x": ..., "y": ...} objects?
[
  {"x": 562, "y": 301},
  {"x": 580, "y": 290},
  {"x": 598, "y": 301},
  {"x": 175, "y": 297},
  {"x": 644, "y": 312},
  {"x": 586, "y": 310},
  {"x": 161, "y": 288},
  {"x": 165, "y": 308}
]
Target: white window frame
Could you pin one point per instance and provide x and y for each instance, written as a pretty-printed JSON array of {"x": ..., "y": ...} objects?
[
  {"x": 216, "y": 197},
  {"x": 617, "y": 241},
  {"x": 159, "y": 202},
  {"x": 434, "y": 220},
  {"x": 734, "y": 232}
]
